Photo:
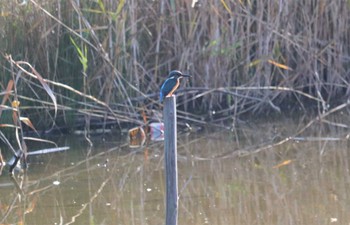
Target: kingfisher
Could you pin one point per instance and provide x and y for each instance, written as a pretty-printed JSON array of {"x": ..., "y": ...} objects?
[{"x": 171, "y": 84}]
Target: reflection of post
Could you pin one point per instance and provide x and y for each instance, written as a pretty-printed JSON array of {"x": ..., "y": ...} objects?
[{"x": 170, "y": 159}]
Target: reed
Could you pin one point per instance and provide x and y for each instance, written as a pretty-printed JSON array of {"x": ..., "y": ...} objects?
[{"x": 119, "y": 52}]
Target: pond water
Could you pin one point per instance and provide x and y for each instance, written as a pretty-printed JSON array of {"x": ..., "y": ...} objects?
[{"x": 251, "y": 174}]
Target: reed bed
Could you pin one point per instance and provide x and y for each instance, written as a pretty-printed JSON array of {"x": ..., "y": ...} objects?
[{"x": 107, "y": 59}]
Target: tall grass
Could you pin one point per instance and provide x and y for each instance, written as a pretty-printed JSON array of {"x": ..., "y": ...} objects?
[{"x": 239, "y": 52}]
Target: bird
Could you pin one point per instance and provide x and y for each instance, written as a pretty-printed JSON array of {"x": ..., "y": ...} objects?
[{"x": 171, "y": 84}]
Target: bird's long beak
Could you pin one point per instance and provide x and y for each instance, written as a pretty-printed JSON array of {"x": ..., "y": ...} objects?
[{"x": 186, "y": 75}]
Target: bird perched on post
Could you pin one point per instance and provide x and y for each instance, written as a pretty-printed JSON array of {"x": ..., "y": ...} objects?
[{"x": 171, "y": 84}]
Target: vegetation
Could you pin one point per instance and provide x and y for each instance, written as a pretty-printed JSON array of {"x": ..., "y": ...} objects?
[{"x": 106, "y": 59}]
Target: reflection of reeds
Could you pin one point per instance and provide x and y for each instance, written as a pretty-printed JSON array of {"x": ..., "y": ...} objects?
[
  {"x": 310, "y": 187},
  {"x": 252, "y": 190},
  {"x": 258, "y": 188},
  {"x": 130, "y": 46}
]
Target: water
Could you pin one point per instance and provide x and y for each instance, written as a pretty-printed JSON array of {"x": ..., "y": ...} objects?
[{"x": 249, "y": 175}]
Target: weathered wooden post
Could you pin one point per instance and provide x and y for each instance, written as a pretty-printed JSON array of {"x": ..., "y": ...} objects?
[{"x": 170, "y": 148}]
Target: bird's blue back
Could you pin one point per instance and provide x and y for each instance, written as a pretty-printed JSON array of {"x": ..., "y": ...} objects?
[{"x": 167, "y": 87}]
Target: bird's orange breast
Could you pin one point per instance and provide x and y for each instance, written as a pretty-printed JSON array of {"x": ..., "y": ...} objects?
[{"x": 174, "y": 88}]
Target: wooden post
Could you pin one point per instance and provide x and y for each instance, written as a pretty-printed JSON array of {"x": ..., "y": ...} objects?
[{"x": 170, "y": 148}]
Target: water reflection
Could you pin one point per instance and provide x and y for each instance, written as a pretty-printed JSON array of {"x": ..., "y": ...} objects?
[{"x": 295, "y": 182}]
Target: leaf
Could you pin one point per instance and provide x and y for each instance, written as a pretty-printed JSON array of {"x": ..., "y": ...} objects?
[
  {"x": 255, "y": 62},
  {"x": 82, "y": 55},
  {"x": 226, "y": 7},
  {"x": 4, "y": 14},
  {"x": 15, "y": 104},
  {"x": 39, "y": 140},
  {"x": 27, "y": 122},
  {"x": 284, "y": 163},
  {"x": 47, "y": 89},
  {"x": 279, "y": 65},
  {"x": 9, "y": 125},
  {"x": 102, "y": 6},
  {"x": 282, "y": 66},
  {"x": 120, "y": 6}
]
